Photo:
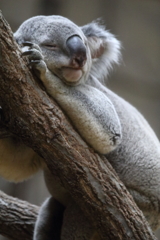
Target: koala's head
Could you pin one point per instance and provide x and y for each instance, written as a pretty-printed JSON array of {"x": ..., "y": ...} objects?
[{"x": 71, "y": 52}]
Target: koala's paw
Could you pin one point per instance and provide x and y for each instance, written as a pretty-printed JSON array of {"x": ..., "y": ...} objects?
[{"x": 36, "y": 59}]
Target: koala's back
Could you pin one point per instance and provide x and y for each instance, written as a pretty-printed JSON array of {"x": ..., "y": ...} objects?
[{"x": 137, "y": 158}]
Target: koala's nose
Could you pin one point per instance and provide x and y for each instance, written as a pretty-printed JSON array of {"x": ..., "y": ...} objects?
[{"x": 77, "y": 51}]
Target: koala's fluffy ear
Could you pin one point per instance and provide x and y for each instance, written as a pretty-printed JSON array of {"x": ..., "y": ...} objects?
[{"x": 104, "y": 47}]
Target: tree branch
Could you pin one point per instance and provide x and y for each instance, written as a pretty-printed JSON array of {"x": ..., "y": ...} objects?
[
  {"x": 17, "y": 218},
  {"x": 35, "y": 118}
]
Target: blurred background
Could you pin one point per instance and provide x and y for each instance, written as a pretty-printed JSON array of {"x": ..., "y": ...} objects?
[{"x": 137, "y": 25}]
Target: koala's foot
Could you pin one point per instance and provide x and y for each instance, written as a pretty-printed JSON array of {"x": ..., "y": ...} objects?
[
  {"x": 36, "y": 59},
  {"x": 49, "y": 221}
]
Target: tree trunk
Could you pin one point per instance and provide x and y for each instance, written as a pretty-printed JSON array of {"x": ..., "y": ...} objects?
[{"x": 30, "y": 114}]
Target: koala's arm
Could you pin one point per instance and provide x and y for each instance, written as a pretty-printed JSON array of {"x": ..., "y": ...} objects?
[{"x": 91, "y": 112}]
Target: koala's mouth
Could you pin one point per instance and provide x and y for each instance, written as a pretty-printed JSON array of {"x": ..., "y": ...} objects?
[{"x": 72, "y": 75}]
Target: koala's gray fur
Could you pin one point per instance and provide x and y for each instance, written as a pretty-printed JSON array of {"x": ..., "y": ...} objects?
[{"x": 72, "y": 62}]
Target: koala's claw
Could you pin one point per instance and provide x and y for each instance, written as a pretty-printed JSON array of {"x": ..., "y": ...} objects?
[
  {"x": 38, "y": 65},
  {"x": 27, "y": 43},
  {"x": 29, "y": 52},
  {"x": 33, "y": 54},
  {"x": 34, "y": 62},
  {"x": 30, "y": 46},
  {"x": 35, "y": 57}
]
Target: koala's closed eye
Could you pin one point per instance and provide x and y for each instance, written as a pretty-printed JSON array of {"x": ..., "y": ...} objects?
[{"x": 51, "y": 46}]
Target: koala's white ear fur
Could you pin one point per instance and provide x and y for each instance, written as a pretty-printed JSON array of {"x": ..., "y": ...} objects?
[
  {"x": 104, "y": 47},
  {"x": 96, "y": 46}
]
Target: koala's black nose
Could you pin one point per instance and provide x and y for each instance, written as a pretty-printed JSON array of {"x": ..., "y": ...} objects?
[{"x": 77, "y": 51}]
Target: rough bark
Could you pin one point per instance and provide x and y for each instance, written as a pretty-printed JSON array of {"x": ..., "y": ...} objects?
[
  {"x": 17, "y": 218},
  {"x": 32, "y": 115}
]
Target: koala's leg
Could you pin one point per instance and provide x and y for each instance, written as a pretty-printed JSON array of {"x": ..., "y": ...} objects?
[
  {"x": 49, "y": 221},
  {"x": 150, "y": 207},
  {"x": 76, "y": 226}
]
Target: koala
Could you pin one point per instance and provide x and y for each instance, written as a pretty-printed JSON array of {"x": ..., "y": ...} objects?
[{"x": 72, "y": 63}]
